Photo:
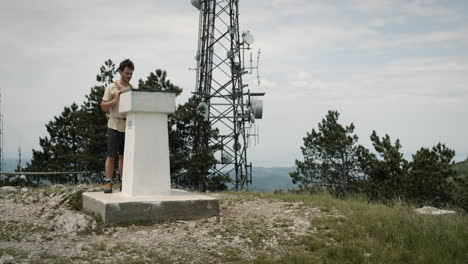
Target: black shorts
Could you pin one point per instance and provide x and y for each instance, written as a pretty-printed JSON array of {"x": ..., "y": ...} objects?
[{"x": 115, "y": 143}]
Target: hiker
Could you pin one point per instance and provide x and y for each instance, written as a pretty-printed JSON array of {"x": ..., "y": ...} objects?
[{"x": 116, "y": 121}]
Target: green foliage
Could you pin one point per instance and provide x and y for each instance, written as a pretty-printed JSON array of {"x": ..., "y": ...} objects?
[
  {"x": 106, "y": 73},
  {"x": 330, "y": 157},
  {"x": 76, "y": 201},
  {"x": 461, "y": 168},
  {"x": 459, "y": 196},
  {"x": 385, "y": 170},
  {"x": 424, "y": 180},
  {"x": 334, "y": 161},
  {"x": 427, "y": 180},
  {"x": 95, "y": 122},
  {"x": 460, "y": 182},
  {"x": 157, "y": 80},
  {"x": 63, "y": 149},
  {"x": 191, "y": 156},
  {"x": 77, "y": 137}
]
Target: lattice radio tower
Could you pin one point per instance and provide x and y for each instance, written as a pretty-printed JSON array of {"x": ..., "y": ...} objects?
[{"x": 230, "y": 106}]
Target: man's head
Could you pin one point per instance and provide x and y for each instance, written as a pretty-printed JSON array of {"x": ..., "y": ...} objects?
[{"x": 126, "y": 68}]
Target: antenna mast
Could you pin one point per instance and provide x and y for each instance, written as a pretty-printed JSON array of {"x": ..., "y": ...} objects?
[
  {"x": 18, "y": 167},
  {"x": 1, "y": 135},
  {"x": 219, "y": 84}
]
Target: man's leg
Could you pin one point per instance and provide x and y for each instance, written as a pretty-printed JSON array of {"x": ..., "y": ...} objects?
[
  {"x": 109, "y": 172},
  {"x": 110, "y": 167},
  {"x": 121, "y": 156},
  {"x": 121, "y": 159},
  {"x": 110, "y": 161}
]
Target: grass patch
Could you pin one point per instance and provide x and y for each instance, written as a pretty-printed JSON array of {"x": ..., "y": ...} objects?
[
  {"x": 17, "y": 231},
  {"x": 355, "y": 231},
  {"x": 45, "y": 257},
  {"x": 231, "y": 254},
  {"x": 291, "y": 258},
  {"x": 76, "y": 201},
  {"x": 129, "y": 254},
  {"x": 15, "y": 253}
]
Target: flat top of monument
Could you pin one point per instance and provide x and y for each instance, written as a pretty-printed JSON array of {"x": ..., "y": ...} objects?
[{"x": 148, "y": 91}]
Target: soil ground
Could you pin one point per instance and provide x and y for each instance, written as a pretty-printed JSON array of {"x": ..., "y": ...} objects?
[{"x": 45, "y": 225}]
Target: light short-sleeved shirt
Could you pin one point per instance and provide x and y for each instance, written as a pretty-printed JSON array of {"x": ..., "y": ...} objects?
[{"x": 116, "y": 119}]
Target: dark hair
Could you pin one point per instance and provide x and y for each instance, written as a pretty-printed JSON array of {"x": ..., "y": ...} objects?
[{"x": 126, "y": 63}]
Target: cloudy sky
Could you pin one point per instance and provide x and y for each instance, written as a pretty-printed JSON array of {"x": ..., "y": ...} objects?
[{"x": 399, "y": 67}]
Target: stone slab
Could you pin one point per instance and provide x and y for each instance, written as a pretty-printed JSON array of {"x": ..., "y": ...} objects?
[{"x": 118, "y": 207}]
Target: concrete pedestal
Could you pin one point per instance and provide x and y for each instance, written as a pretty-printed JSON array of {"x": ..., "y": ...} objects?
[
  {"x": 118, "y": 207},
  {"x": 146, "y": 194}
]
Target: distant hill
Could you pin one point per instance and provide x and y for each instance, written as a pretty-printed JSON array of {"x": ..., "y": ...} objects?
[
  {"x": 461, "y": 168},
  {"x": 9, "y": 164},
  {"x": 270, "y": 179},
  {"x": 264, "y": 179}
]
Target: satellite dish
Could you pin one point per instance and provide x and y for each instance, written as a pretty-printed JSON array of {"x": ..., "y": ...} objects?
[
  {"x": 248, "y": 37},
  {"x": 226, "y": 158},
  {"x": 205, "y": 110},
  {"x": 196, "y": 4},
  {"x": 257, "y": 108},
  {"x": 237, "y": 146}
]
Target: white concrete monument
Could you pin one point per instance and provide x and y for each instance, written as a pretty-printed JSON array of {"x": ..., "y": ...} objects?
[
  {"x": 146, "y": 192},
  {"x": 146, "y": 164}
]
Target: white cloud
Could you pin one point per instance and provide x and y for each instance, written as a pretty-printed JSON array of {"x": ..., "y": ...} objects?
[
  {"x": 385, "y": 21},
  {"x": 420, "y": 8},
  {"x": 316, "y": 56},
  {"x": 307, "y": 39}
]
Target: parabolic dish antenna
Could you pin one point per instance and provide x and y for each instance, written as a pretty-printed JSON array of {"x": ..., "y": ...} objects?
[
  {"x": 248, "y": 37},
  {"x": 196, "y": 4},
  {"x": 257, "y": 108},
  {"x": 205, "y": 110}
]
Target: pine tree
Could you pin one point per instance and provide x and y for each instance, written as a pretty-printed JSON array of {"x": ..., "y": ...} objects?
[
  {"x": 62, "y": 149},
  {"x": 330, "y": 157},
  {"x": 77, "y": 137},
  {"x": 429, "y": 178},
  {"x": 191, "y": 159},
  {"x": 459, "y": 195},
  {"x": 386, "y": 171},
  {"x": 95, "y": 122},
  {"x": 157, "y": 80}
]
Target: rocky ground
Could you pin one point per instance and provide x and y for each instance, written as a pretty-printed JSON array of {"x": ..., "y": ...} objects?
[{"x": 45, "y": 225}]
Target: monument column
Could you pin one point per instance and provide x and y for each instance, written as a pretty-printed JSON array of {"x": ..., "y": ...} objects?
[
  {"x": 146, "y": 158},
  {"x": 146, "y": 192}
]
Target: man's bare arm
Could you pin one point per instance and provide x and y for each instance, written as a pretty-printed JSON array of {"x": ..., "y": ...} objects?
[{"x": 107, "y": 105}]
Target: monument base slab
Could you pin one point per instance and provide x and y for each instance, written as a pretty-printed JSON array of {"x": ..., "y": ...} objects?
[{"x": 117, "y": 207}]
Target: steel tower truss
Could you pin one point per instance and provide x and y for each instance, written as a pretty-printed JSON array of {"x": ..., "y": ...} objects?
[{"x": 220, "y": 68}]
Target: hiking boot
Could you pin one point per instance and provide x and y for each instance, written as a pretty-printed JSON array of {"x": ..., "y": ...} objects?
[{"x": 108, "y": 187}]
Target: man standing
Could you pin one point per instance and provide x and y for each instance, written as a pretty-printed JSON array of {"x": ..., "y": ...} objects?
[{"x": 116, "y": 123}]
